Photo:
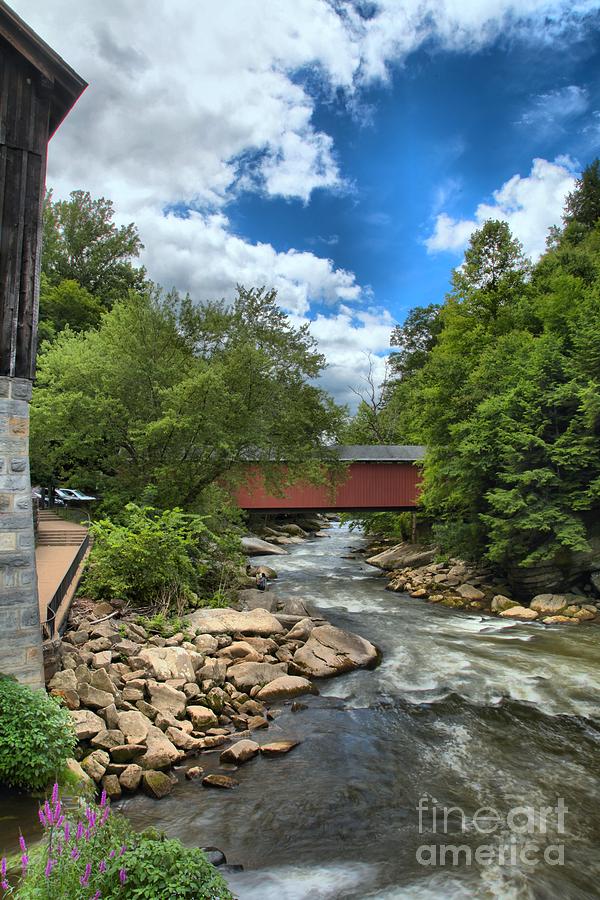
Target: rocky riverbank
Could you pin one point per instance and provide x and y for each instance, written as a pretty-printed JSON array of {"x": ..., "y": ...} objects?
[
  {"x": 411, "y": 569},
  {"x": 143, "y": 705}
]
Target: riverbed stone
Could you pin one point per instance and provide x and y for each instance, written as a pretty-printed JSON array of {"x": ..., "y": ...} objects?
[
  {"x": 549, "y": 604},
  {"x": 213, "y": 670},
  {"x": 501, "y": 603},
  {"x": 202, "y": 717},
  {"x": 86, "y": 723},
  {"x": 112, "y": 786},
  {"x": 403, "y": 555},
  {"x": 183, "y": 741},
  {"x": 100, "y": 679},
  {"x": 125, "y": 753},
  {"x": 240, "y": 650},
  {"x": 161, "y": 753},
  {"x": 167, "y": 699},
  {"x": 95, "y": 763},
  {"x": 245, "y": 676},
  {"x": 229, "y": 621},
  {"x": 168, "y": 662},
  {"x": 331, "y": 651},
  {"x": 83, "y": 779},
  {"x": 130, "y": 777},
  {"x": 108, "y": 738},
  {"x": 278, "y": 748},
  {"x": 560, "y": 620},
  {"x": 94, "y": 697},
  {"x": 194, "y": 772},
  {"x": 584, "y": 615},
  {"x": 239, "y": 752},
  {"x": 285, "y": 688},
  {"x": 219, "y": 781},
  {"x": 252, "y": 598},
  {"x": 469, "y": 592},
  {"x": 156, "y": 784},
  {"x": 134, "y": 726},
  {"x": 523, "y": 613}
]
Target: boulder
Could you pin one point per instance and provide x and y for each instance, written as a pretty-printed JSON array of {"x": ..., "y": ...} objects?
[
  {"x": 254, "y": 546},
  {"x": 194, "y": 772},
  {"x": 523, "y": 613},
  {"x": 500, "y": 603},
  {"x": 262, "y": 645},
  {"x": 166, "y": 699},
  {"x": 168, "y": 662},
  {"x": 66, "y": 680},
  {"x": 246, "y": 675},
  {"x": 166, "y": 720},
  {"x": 584, "y": 615},
  {"x": 278, "y": 748},
  {"x": 301, "y": 631},
  {"x": 560, "y": 620},
  {"x": 230, "y": 621},
  {"x": 94, "y": 697},
  {"x": 124, "y": 753},
  {"x": 549, "y": 604},
  {"x": 202, "y": 717},
  {"x": 108, "y": 738},
  {"x": 240, "y": 650},
  {"x": 161, "y": 753},
  {"x": 134, "y": 726},
  {"x": 100, "y": 679},
  {"x": 112, "y": 786},
  {"x": 83, "y": 779},
  {"x": 213, "y": 670},
  {"x": 184, "y": 741},
  {"x": 469, "y": 592},
  {"x": 95, "y": 764},
  {"x": 331, "y": 651},
  {"x": 220, "y": 781},
  {"x": 86, "y": 723},
  {"x": 130, "y": 777},
  {"x": 252, "y": 598},
  {"x": 102, "y": 659},
  {"x": 294, "y": 606},
  {"x": 206, "y": 643},
  {"x": 267, "y": 571},
  {"x": 156, "y": 784},
  {"x": 239, "y": 752},
  {"x": 284, "y": 688},
  {"x": 403, "y": 555}
]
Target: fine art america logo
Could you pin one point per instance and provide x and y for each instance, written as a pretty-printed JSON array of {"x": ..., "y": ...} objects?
[{"x": 525, "y": 835}]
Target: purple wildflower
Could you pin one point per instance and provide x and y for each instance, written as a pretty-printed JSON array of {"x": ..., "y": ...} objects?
[
  {"x": 105, "y": 815},
  {"x": 122, "y": 876},
  {"x": 102, "y": 865},
  {"x": 96, "y": 896},
  {"x": 57, "y": 810},
  {"x": 86, "y": 875},
  {"x": 103, "y": 799},
  {"x": 55, "y": 792},
  {"x": 42, "y": 817},
  {"x": 123, "y": 850},
  {"x": 3, "y": 867},
  {"x": 49, "y": 866},
  {"x": 22, "y": 844},
  {"x": 4, "y": 884},
  {"x": 79, "y": 834},
  {"x": 24, "y": 863},
  {"x": 48, "y": 813},
  {"x": 112, "y": 854},
  {"x": 74, "y": 853},
  {"x": 67, "y": 832}
]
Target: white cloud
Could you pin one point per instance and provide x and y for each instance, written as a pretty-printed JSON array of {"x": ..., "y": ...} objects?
[
  {"x": 548, "y": 111},
  {"x": 529, "y": 204}
]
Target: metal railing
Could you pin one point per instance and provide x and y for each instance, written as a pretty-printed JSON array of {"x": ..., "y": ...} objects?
[{"x": 61, "y": 591}]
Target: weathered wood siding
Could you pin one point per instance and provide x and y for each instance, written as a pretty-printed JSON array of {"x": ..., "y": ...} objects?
[{"x": 24, "y": 125}]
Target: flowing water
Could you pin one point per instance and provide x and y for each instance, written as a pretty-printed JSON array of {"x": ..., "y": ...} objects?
[{"x": 464, "y": 712}]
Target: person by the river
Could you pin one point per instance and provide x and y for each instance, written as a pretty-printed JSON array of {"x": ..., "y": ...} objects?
[{"x": 261, "y": 581}]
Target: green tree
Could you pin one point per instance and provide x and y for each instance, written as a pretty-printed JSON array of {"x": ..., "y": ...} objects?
[
  {"x": 583, "y": 204},
  {"x": 66, "y": 303}
]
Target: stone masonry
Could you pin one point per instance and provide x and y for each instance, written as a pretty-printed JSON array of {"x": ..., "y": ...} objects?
[{"x": 20, "y": 631}]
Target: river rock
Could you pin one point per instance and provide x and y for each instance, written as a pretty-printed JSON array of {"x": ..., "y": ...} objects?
[
  {"x": 166, "y": 699},
  {"x": 213, "y": 670},
  {"x": 267, "y": 571},
  {"x": 168, "y": 662},
  {"x": 83, "y": 779},
  {"x": 240, "y": 650},
  {"x": 403, "y": 555},
  {"x": 183, "y": 741},
  {"x": 500, "y": 603},
  {"x": 202, "y": 717},
  {"x": 246, "y": 675},
  {"x": 331, "y": 651},
  {"x": 206, "y": 643},
  {"x": 95, "y": 764},
  {"x": 254, "y": 546},
  {"x": 65, "y": 680},
  {"x": 560, "y": 620},
  {"x": 523, "y": 613},
  {"x": 301, "y": 631},
  {"x": 134, "y": 726},
  {"x": 130, "y": 777},
  {"x": 125, "y": 753},
  {"x": 156, "y": 784},
  {"x": 160, "y": 753},
  {"x": 86, "y": 723},
  {"x": 294, "y": 606},
  {"x": 100, "y": 679},
  {"x": 229, "y": 621},
  {"x": 239, "y": 752},
  {"x": 469, "y": 592},
  {"x": 219, "y": 781},
  {"x": 91, "y": 696},
  {"x": 278, "y": 748},
  {"x": 252, "y": 598},
  {"x": 112, "y": 786},
  {"x": 549, "y": 604},
  {"x": 108, "y": 738},
  {"x": 194, "y": 772},
  {"x": 584, "y": 614},
  {"x": 284, "y": 688}
]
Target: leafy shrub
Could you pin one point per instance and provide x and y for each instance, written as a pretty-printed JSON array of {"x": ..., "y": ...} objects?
[
  {"x": 160, "y": 558},
  {"x": 36, "y": 736},
  {"x": 158, "y": 867}
]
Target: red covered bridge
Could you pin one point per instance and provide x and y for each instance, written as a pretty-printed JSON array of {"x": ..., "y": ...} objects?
[{"x": 377, "y": 478}]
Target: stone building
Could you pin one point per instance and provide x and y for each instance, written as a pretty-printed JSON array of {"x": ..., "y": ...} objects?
[{"x": 37, "y": 89}]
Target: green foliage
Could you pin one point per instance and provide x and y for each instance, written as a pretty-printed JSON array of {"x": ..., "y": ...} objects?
[
  {"x": 393, "y": 525},
  {"x": 158, "y": 867},
  {"x": 66, "y": 303},
  {"x": 160, "y": 558},
  {"x": 36, "y": 736},
  {"x": 583, "y": 204},
  {"x": 172, "y": 398},
  {"x": 160, "y": 623}
]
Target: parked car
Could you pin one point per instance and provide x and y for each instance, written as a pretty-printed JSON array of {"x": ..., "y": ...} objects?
[{"x": 71, "y": 495}]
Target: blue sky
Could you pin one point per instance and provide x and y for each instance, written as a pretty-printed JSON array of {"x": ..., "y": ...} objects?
[{"x": 338, "y": 151}]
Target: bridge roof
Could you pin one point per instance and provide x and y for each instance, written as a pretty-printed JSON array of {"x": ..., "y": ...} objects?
[{"x": 380, "y": 452}]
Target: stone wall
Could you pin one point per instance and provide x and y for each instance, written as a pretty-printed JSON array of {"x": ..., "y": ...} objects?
[{"x": 20, "y": 632}]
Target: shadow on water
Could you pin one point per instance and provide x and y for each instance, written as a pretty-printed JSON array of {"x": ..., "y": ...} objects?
[{"x": 463, "y": 712}]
